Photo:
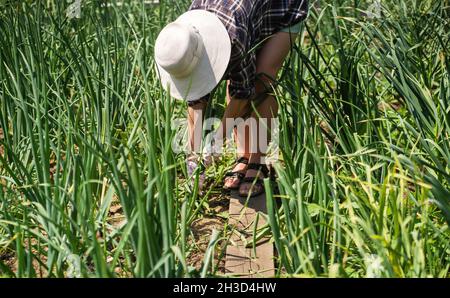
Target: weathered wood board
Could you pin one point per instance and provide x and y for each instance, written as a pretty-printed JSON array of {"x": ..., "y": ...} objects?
[{"x": 241, "y": 261}]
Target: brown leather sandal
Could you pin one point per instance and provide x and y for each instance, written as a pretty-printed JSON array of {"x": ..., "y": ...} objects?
[
  {"x": 255, "y": 181},
  {"x": 238, "y": 175}
]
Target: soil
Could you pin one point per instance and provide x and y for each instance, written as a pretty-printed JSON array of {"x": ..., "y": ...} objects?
[
  {"x": 10, "y": 260},
  {"x": 394, "y": 105},
  {"x": 202, "y": 229},
  {"x": 214, "y": 218}
]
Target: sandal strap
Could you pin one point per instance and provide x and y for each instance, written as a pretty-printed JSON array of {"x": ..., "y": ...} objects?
[
  {"x": 243, "y": 160},
  {"x": 238, "y": 175},
  {"x": 259, "y": 167}
]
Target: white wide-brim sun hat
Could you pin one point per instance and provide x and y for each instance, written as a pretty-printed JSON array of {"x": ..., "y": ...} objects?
[{"x": 192, "y": 54}]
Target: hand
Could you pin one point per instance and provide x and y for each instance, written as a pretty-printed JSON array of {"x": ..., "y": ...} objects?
[{"x": 192, "y": 165}]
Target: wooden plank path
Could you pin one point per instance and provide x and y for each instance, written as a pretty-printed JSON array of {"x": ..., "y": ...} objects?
[{"x": 241, "y": 261}]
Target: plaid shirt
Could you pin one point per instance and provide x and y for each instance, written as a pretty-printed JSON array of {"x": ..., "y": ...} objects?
[{"x": 249, "y": 22}]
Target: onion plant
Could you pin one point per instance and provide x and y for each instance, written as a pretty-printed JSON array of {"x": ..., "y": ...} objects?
[{"x": 363, "y": 179}]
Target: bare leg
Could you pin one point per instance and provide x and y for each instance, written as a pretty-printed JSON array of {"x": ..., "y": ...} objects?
[
  {"x": 236, "y": 108},
  {"x": 241, "y": 143},
  {"x": 195, "y": 129},
  {"x": 269, "y": 61},
  {"x": 242, "y": 140},
  {"x": 195, "y": 116}
]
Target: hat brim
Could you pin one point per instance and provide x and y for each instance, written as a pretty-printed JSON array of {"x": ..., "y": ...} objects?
[{"x": 211, "y": 66}]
